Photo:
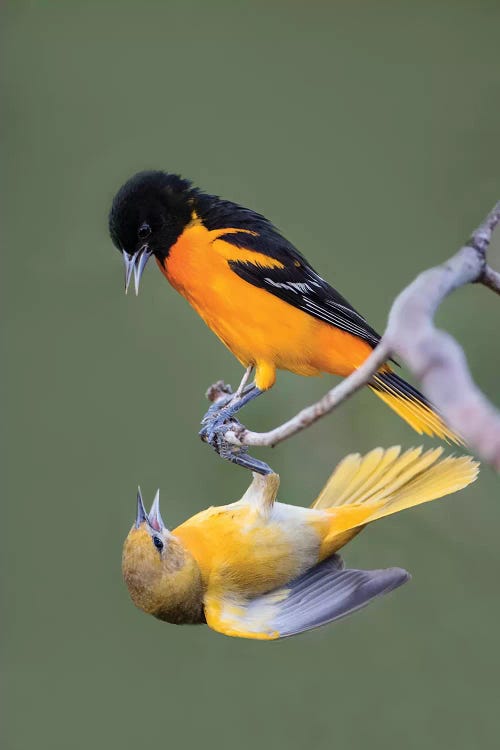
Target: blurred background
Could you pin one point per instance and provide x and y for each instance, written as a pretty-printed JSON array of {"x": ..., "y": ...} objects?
[{"x": 368, "y": 132}]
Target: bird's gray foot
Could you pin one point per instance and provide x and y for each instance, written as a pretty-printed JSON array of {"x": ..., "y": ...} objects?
[{"x": 220, "y": 419}]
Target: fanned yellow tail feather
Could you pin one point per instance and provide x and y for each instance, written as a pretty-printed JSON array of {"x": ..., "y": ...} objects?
[{"x": 363, "y": 489}]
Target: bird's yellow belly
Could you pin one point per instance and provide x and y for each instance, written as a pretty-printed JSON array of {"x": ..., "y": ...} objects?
[{"x": 237, "y": 551}]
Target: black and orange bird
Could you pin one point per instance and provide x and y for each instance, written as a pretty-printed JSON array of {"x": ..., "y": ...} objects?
[{"x": 254, "y": 289}]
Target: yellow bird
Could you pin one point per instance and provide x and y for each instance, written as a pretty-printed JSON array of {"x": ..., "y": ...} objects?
[{"x": 258, "y": 568}]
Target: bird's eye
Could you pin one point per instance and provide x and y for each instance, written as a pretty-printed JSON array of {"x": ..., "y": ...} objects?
[
  {"x": 144, "y": 231},
  {"x": 158, "y": 543}
]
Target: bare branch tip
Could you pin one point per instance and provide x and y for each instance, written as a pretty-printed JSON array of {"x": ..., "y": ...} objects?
[
  {"x": 491, "y": 279},
  {"x": 218, "y": 390}
]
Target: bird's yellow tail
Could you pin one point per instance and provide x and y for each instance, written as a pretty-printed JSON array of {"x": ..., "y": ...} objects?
[
  {"x": 411, "y": 406},
  {"x": 363, "y": 489}
]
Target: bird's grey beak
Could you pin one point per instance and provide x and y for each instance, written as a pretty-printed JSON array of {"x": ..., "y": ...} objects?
[
  {"x": 141, "y": 510},
  {"x": 135, "y": 264},
  {"x": 155, "y": 519}
]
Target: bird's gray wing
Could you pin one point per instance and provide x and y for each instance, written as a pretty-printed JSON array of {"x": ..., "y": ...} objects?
[{"x": 325, "y": 593}]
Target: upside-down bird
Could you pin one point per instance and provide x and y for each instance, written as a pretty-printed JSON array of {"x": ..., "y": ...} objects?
[
  {"x": 254, "y": 289},
  {"x": 261, "y": 569}
]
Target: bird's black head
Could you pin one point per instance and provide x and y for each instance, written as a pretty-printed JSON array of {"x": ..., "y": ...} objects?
[{"x": 148, "y": 214}]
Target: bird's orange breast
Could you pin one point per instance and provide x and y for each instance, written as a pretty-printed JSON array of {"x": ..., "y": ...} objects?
[
  {"x": 258, "y": 327},
  {"x": 253, "y": 324}
]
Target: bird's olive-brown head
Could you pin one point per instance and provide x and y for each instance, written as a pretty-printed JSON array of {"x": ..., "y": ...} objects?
[
  {"x": 162, "y": 577},
  {"x": 147, "y": 216}
]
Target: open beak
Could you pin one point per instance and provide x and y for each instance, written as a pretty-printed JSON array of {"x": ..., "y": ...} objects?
[
  {"x": 135, "y": 264},
  {"x": 141, "y": 510},
  {"x": 155, "y": 519}
]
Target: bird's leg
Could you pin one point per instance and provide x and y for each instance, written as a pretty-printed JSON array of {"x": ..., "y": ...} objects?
[
  {"x": 222, "y": 410},
  {"x": 244, "y": 379},
  {"x": 220, "y": 418},
  {"x": 226, "y": 404},
  {"x": 249, "y": 394},
  {"x": 222, "y": 395},
  {"x": 239, "y": 455}
]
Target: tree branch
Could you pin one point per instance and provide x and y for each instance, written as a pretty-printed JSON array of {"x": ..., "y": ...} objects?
[
  {"x": 433, "y": 356},
  {"x": 491, "y": 279}
]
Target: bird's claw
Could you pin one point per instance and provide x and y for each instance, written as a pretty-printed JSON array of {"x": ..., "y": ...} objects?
[{"x": 215, "y": 424}]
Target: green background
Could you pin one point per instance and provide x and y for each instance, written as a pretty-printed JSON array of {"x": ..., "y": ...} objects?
[{"x": 367, "y": 131}]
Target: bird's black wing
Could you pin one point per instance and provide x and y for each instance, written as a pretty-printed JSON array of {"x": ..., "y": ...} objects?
[
  {"x": 297, "y": 283},
  {"x": 294, "y": 281}
]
